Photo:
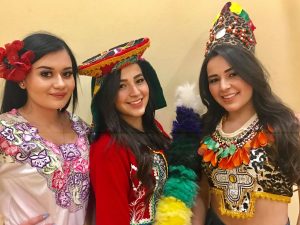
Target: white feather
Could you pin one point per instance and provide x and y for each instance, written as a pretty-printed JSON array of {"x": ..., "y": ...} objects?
[{"x": 186, "y": 96}]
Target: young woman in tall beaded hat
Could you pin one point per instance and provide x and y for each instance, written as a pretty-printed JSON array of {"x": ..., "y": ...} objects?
[
  {"x": 128, "y": 166},
  {"x": 44, "y": 150},
  {"x": 250, "y": 144}
]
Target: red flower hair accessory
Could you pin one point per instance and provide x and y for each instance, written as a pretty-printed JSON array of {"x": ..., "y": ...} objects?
[{"x": 12, "y": 66}]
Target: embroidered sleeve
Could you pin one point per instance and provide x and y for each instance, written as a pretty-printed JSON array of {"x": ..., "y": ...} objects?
[{"x": 111, "y": 182}]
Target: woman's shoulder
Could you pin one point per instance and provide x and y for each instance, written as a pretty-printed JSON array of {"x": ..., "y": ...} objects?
[
  {"x": 78, "y": 123},
  {"x": 106, "y": 141},
  {"x": 106, "y": 147},
  {"x": 10, "y": 116},
  {"x": 160, "y": 127}
]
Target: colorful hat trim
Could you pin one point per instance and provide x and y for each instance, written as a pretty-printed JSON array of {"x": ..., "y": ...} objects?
[
  {"x": 115, "y": 58},
  {"x": 232, "y": 26},
  {"x": 111, "y": 60}
]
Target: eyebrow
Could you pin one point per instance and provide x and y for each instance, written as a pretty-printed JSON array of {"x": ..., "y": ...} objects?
[
  {"x": 50, "y": 68},
  {"x": 230, "y": 68},
  {"x": 135, "y": 77},
  {"x": 225, "y": 71}
]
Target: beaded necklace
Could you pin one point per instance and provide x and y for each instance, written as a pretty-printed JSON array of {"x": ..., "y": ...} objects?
[{"x": 228, "y": 151}]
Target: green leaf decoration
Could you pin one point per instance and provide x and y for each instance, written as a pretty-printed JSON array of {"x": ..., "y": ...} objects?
[
  {"x": 232, "y": 149},
  {"x": 211, "y": 144},
  {"x": 219, "y": 154},
  {"x": 225, "y": 153},
  {"x": 206, "y": 139}
]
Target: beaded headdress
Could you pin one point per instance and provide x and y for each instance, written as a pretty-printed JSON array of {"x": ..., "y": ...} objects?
[
  {"x": 13, "y": 65},
  {"x": 233, "y": 27}
]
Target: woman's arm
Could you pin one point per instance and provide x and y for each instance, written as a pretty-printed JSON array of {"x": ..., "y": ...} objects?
[{"x": 202, "y": 203}]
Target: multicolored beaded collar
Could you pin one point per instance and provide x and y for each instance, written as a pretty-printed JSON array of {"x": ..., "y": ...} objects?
[{"x": 231, "y": 151}]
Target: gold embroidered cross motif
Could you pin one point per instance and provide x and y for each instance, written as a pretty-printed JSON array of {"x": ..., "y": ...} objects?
[{"x": 235, "y": 183}]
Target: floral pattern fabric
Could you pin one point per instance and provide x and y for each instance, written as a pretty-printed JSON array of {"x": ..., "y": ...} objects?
[{"x": 64, "y": 167}]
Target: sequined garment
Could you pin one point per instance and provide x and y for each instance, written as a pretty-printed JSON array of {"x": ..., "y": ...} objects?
[
  {"x": 38, "y": 176},
  {"x": 239, "y": 187}
]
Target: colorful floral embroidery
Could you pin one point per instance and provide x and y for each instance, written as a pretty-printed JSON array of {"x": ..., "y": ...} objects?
[
  {"x": 140, "y": 213},
  {"x": 65, "y": 167}
]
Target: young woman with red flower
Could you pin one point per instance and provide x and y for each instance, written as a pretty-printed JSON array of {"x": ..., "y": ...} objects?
[{"x": 44, "y": 149}]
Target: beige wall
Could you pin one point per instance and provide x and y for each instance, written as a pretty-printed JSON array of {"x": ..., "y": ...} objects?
[{"x": 178, "y": 30}]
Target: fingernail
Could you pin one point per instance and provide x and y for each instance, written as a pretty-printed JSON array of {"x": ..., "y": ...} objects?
[{"x": 45, "y": 215}]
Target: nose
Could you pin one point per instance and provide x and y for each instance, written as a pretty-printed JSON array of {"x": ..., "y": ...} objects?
[
  {"x": 134, "y": 90},
  {"x": 59, "y": 81},
  {"x": 224, "y": 84}
]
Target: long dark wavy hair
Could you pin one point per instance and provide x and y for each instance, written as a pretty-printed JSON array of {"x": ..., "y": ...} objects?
[
  {"x": 270, "y": 110},
  {"x": 108, "y": 120},
  {"x": 41, "y": 44}
]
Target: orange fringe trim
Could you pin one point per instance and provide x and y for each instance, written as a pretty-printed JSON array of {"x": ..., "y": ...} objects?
[{"x": 241, "y": 155}]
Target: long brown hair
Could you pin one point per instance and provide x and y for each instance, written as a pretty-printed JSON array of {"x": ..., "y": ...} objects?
[
  {"x": 269, "y": 108},
  {"x": 108, "y": 119}
]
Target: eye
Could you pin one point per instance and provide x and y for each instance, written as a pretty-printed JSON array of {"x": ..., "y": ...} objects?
[
  {"x": 46, "y": 73},
  {"x": 140, "y": 80},
  {"x": 122, "y": 85},
  {"x": 213, "y": 80},
  {"x": 68, "y": 73},
  {"x": 233, "y": 74}
]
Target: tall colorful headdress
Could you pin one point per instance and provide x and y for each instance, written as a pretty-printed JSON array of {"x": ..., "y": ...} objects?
[
  {"x": 13, "y": 65},
  {"x": 232, "y": 26}
]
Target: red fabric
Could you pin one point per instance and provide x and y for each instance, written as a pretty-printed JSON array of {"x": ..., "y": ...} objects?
[
  {"x": 119, "y": 194},
  {"x": 109, "y": 171},
  {"x": 160, "y": 127}
]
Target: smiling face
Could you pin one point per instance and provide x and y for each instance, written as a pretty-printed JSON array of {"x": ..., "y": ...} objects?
[
  {"x": 50, "y": 83},
  {"x": 227, "y": 88},
  {"x": 133, "y": 95}
]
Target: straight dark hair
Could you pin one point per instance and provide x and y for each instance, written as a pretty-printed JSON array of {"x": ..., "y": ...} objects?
[
  {"x": 270, "y": 110},
  {"x": 109, "y": 120},
  {"x": 41, "y": 44}
]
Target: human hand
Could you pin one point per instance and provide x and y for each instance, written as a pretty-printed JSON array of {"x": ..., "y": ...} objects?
[{"x": 36, "y": 220}]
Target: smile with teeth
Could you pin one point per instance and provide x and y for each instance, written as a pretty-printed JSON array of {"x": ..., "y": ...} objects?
[
  {"x": 229, "y": 96},
  {"x": 135, "y": 102}
]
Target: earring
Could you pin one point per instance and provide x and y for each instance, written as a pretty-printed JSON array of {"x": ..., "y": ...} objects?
[{"x": 22, "y": 85}]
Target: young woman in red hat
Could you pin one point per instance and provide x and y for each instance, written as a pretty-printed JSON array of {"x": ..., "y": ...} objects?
[{"x": 128, "y": 165}]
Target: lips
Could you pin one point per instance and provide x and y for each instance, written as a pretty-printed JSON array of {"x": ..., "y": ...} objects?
[
  {"x": 135, "y": 102},
  {"x": 229, "y": 97},
  {"x": 59, "y": 95}
]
